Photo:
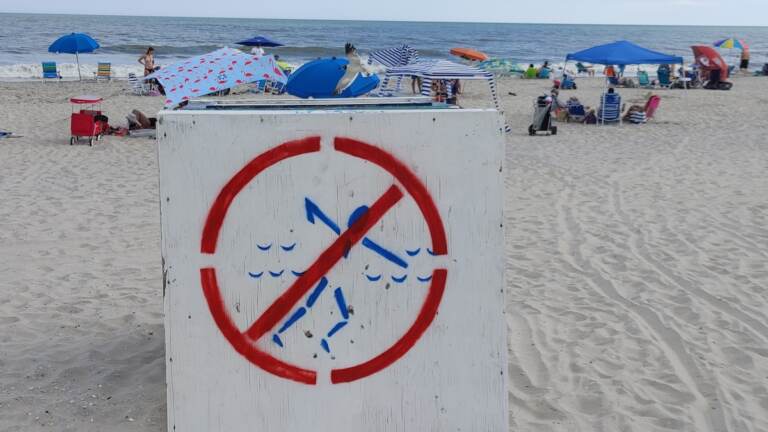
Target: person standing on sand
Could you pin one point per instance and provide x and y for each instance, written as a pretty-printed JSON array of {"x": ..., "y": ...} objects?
[
  {"x": 148, "y": 61},
  {"x": 744, "y": 59}
]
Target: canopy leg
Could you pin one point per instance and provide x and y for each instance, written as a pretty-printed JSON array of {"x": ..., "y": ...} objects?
[{"x": 497, "y": 103}]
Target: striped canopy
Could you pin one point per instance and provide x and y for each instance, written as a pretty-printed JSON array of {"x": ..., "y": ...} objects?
[
  {"x": 393, "y": 57},
  {"x": 731, "y": 43},
  {"x": 430, "y": 70},
  {"x": 440, "y": 69}
]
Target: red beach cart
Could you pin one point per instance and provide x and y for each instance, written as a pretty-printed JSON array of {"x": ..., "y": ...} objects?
[{"x": 84, "y": 123}]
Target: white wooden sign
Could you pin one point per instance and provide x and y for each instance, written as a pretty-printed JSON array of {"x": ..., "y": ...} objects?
[{"x": 334, "y": 270}]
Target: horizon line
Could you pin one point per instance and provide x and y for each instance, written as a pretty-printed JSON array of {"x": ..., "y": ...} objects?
[{"x": 387, "y": 20}]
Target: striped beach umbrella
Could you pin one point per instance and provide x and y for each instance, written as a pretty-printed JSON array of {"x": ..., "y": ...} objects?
[{"x": 731, "y": 43}]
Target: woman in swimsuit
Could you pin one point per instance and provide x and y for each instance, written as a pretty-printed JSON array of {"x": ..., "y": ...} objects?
[{"x": 148, "y": 60}]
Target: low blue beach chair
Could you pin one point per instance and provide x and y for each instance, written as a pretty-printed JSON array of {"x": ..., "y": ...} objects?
[
  {"x": 610, "y": 108},
  {"x": 643, "y": 80},
  {"x": 50, "y": 71}
]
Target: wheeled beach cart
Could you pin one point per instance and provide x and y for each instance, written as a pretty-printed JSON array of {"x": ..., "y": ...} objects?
[
  {"x": 87, "y": 120},
  {"x": 542, "y": 117}
]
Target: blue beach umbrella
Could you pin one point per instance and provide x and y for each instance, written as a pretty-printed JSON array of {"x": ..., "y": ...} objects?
[
  {"x": 261, "y": 41},
  {"x": 74, "y": 43}
]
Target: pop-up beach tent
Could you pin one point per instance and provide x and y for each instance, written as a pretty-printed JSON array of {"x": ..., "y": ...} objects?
[
  {"x": 430, "y": 70},
  {"x": 218, "y": 70},
  {"x": 622, "y": 53}
]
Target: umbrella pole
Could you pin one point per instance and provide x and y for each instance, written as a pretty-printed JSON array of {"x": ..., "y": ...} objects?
[{"x": 79, "y": 75}]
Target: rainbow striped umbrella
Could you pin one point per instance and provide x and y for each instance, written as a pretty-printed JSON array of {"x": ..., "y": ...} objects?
[{"x": 731, "y": 43}]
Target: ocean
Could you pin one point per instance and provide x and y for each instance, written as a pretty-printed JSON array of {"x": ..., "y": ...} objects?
[{"x": 24, "y": 39}]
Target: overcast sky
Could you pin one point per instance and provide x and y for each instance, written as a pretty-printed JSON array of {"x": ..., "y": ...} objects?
[{"x": 677, "y": 12}]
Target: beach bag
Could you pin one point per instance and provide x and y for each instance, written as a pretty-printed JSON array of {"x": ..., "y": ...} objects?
[{"x": 590, "y": 118}]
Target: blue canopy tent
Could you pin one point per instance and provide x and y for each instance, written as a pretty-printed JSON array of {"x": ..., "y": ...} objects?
[
  {"x": 429, "y": 70},
  {"x": 622, "y": 53}
]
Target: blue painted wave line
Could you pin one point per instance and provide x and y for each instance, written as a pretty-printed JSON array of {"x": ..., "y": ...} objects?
[
  {"x": 297, "y": 273},
  {"x": 276, "y": 274},
  {"x": 264, "y": 248},
  {"x": 431, "y": 252},
  {"x": 288, "y": 248},
  {"x": 255, "y": 275},
  {"x": 424, "y": 279},
  {"x": 413, "y": 252},
  {"x": 400, "y": 279},
  {"x": 373, "y": 278}
]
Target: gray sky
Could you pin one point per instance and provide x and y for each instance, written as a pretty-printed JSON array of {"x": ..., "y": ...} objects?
[{"x": 678, "y": 12}]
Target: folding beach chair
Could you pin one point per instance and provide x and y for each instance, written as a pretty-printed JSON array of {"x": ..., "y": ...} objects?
[
  {"x": 610, "y": 108},
  {"x": 664, "y": 78},
  {"x": 50, "y": 71},
  {"x": 104, "y": 71},
  {"x": 643, "y": 80},
  {"x": 651, "y": 106},
  {"x": 138, "y": 87}
]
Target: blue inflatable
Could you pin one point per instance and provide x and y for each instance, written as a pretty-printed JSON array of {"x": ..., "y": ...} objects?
[{"x": 318, "y": 79}]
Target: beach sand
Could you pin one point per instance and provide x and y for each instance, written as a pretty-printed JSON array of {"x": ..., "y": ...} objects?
[{"x": 637, "y": 265}]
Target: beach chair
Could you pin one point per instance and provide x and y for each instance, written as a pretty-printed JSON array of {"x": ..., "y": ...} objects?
[
  {"x": 651, "y": 106},
  {"x": 544, "y": 73},
  {"x": 643, "y": 80},
  {"x": 104, "y": 71},
  {"x": 139, "y": 87},
  {"x": 581, "y": 68},
  {"x": 665, "y": 80},
  {"x": 614, "y": 81},
  {"x": 576, "y": 111},
  {"x": 610, "y": 108},
  {"x": 50, "y": 71}
]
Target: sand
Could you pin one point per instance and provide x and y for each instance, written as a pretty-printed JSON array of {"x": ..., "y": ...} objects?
[{"x": 637, "y": 266}]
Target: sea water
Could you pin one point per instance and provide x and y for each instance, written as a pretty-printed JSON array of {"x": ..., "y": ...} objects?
[{"x": 24, "y": 39}]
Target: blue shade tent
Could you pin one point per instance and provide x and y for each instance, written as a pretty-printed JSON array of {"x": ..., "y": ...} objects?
[
  {"x": 429, "y": 70},
  {"x": 261, "y": 41},
  {"x": 622, "y": 53},
  {"x": 74, "y": 43}
]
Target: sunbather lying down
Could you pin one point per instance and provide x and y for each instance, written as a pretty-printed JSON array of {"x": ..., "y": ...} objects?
[{"x": 137, "y": 120}]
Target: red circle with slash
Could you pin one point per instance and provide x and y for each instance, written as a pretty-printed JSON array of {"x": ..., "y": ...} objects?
[{"x": 245, "y": 342}]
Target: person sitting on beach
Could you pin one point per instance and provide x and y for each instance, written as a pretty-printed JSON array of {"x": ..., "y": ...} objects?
[
  {"x": 148, "y": 61},
  {"x": 610, "y": 71},
  {"x": 543, "y": 71},
  {"x": 531, "y": 72},
  {"x": 415, "y": 84},
  {"x": 258, "y": 51},
  {"x": 453, "y": 97}
]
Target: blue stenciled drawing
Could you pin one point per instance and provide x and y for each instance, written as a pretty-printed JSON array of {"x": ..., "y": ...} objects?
[
  {"x": 314, "y": 212},
  {"x": 373, "y": 278},
  {"x": 288, "y": 248},
  {"x": 341, "y": 303},
  {"x": 400, "y": 279},
  {"x": 265, "y": 247},
  {"x": 255, "y": 275}
]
